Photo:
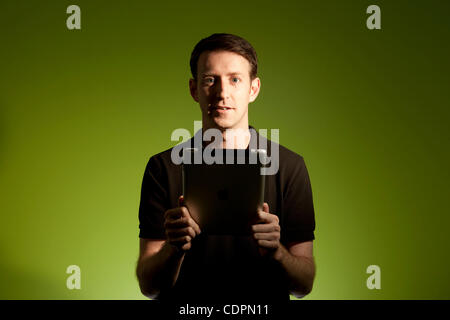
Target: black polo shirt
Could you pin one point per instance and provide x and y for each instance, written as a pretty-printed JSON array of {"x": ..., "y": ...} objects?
[{"x": 221, "y": 268}]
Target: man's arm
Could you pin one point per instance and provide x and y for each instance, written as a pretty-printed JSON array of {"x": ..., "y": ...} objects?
[
  {"x": 158, "y": 266},
  {"x": 297, "y": 260},
  {"x": 160, "y": 261}
]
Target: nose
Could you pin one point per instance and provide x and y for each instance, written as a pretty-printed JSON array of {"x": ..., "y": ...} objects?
[{"x": 221, "y": 89}]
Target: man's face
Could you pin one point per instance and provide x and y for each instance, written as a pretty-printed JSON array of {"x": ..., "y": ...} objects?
[{"x": 224, "y": 89}]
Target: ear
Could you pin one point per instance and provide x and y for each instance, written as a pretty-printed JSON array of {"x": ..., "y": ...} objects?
[
  {"x": 193, "y": 89},
  {"x": 255, "y": 86}
]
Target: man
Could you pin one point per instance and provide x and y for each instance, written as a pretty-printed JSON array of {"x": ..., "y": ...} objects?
[{"x": 177, "y": 261}]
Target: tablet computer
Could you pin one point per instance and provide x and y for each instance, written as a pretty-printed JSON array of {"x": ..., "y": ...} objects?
[{"x": 224, "y": 198}]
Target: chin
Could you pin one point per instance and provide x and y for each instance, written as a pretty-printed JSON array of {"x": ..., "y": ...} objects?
[{"x": 222, "y": 125}]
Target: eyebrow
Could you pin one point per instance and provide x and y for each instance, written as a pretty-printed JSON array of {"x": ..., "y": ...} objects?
[{"x": 207, "y": 74}]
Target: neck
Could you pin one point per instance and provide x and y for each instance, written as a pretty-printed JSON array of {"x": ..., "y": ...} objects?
[{"x": 238, "y": 138}]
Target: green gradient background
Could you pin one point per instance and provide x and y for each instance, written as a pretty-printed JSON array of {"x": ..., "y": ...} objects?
[{"x": 82, "y": 111}]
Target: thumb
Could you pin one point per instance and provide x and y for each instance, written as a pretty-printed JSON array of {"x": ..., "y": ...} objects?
[
  {"x": 265, "y": 207},
  {"x": 181, "y": 201}
]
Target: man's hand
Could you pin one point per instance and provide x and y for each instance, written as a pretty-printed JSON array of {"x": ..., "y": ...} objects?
[
  {"x": 180, "y": 227},
  {"x": 266, "y": 231}
]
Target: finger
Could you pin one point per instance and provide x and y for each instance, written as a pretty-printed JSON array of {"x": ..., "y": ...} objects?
[
  {"x": 172, "y": 214},
  {"x": 186, "y": 246},
  {"x": 195, "y": 226},
  {"x": 266, "y": 207},
  {"x": 181, "y": 201},
  {"x": 186, "y": 215},
  {"x": 185, "y": 212},
  {"x": 265, "y": 217},
  {"x": 272, "y": 236},
  {"x": 178, "y": 233},
  {"x": 262, "y": 217},
  {"x": 268, "y": 244},
  {"x": 182, "y": 223},
  {"x": 180, "y": 241},
  {"x": 177, "y": 223},
  {"x": 257, "y": 228},
  {"x": 176, "y": 213}
]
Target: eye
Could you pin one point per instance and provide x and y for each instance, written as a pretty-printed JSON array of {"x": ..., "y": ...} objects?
[
  {"x": 209, "y": 80},
  {"x": 235, "y": 79}
]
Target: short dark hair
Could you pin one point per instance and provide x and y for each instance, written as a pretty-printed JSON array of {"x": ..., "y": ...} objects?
[{"x": 225, "y": 42}]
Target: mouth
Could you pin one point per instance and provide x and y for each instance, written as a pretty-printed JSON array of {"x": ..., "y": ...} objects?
[{"x": 220, "y": 108}]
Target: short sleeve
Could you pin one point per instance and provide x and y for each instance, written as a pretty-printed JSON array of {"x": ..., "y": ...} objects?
[
  {"x": 298, "y": 208},
  {"x": 154, "y": 200}
]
